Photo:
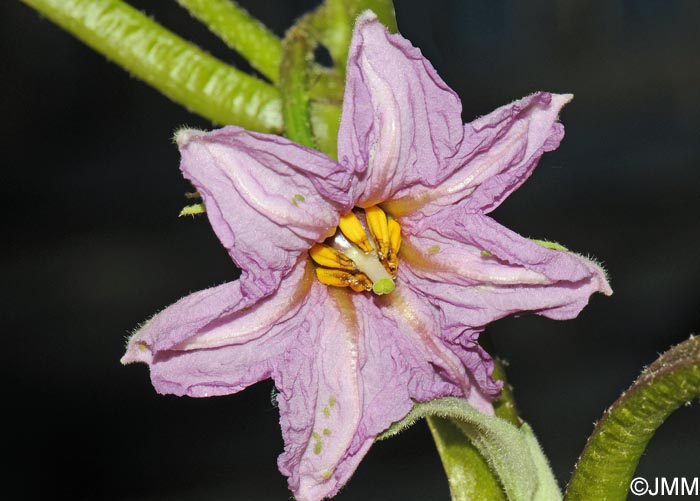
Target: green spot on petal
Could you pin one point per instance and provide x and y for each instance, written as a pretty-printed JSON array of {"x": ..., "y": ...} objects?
[
  {"x": 485, "y": 253},
  {"x": 434, "y": 249},
  {"x": 383, "y": 286},
  {"x": 326, "y": 431},
  {"x": 298, "y": 198},
  {"x": 316, "y": 435},
  {"x": 326, "y": 412},
  {"x": 550, "y": 245},
  {"x": 327, "y": 474},
  {"x": 331, "y": 401},
  {"x": 317, "y": 448}
]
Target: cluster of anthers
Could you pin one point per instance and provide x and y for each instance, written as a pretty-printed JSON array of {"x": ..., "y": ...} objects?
[{"x": 360, "y": 259}]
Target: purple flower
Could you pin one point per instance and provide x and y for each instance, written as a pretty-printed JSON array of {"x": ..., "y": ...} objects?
[{"x": 356, "y": 324}]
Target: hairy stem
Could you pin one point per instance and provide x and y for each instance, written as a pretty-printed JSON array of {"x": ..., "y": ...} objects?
[
  {"x": 297, "y": 50},
  {"x": 610, "y": 458},
  {"x": 177, "y": 68},
  {"x": 241, "y": 32}
]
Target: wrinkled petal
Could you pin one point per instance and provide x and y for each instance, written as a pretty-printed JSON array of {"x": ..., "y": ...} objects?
[
  {"x": 513, "y": 275},
  {"x": 268, "y": 199},
  {"x": 499, "y": 152},
  {"x": 215, "y": 342},
  {"x": 359, "y": 365},
  {"x": 416, "y": 329},
  {"x": 320, "y": 399},
  {"x": 400, "y": 123}
]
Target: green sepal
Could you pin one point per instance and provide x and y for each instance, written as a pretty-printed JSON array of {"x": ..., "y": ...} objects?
[
  {"x": 177, "y": 68},
  {"x": 611, "y": 455},
  {"x": 325, "y": 121},
  {"x": 547, "y": 244},
  {"x": 468, "y": 474},
  {"x": 192, "y": 210},
  {"x": 512, "y": 453}
]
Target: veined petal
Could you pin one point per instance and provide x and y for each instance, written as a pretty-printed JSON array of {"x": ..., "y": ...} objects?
[
  {"x": 177, "y": 342},
  {"x": 358, "y": 366},
  {"x": 499, "y": 152},
  {"x": 556, "y": 284},
  {"x": 400, "y": 123},
  {"x": 320, "y": 397},
  {"x": 268, "y": 199},
  {"x": 434, "y": 360}
]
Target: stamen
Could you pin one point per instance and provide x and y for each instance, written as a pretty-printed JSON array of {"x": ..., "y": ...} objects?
[
  {"x": 352, "y": 259},
  {"x": 394, "y": 246},
  {"x": 376, "y": 220},
  {"x": 329, "y": 257},
  {"x": 338, "y": 278},
  {"x": 352, "y": 228},
  {"x": 367, "y": 262}
]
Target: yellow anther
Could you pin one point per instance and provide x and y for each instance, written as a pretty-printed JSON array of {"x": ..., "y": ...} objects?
[
  {"x": 338, "y": 278},
  {"x": 376, "y": 220},
  {"x": 392, "y": 258},
  {"x": 329, "y": 257},
  {"x": 353, "y": 231}
]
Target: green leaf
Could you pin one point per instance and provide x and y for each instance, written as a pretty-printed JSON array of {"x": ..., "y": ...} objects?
[
  {"x": 512, "y": 453},
  {"x": 468, "y": 474},
  {"x": 610, "y": 458},
  {"x": 241, "y": 32},
  {"x": 177, "y": 68}
]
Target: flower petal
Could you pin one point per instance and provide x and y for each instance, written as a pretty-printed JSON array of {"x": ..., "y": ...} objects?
[
  {"x": 320, "y": 398},
  {"x": 215, "y": 341},
  {"x": 513, "y": 275},
  {"x": 434, "y": 360},
  {"x": 357, "y": 366},
  {"x": 400, "y": 123},
  {"x": 499, "y": 152},
  {"x": 268, "y": 199}
]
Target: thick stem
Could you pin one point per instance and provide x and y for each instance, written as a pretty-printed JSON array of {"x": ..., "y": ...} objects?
[
  {"x": 241, "y": 32},
  {"x": 610, "y": 458},
  {"x": 175, "y": 67},
  {"x": 297, "y": 57}
]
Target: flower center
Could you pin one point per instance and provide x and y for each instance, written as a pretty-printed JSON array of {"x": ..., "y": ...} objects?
[{"x": 362, "y": 254}]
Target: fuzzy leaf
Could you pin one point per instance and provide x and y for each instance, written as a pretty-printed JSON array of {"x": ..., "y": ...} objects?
[{"x": 511, "y": 452}]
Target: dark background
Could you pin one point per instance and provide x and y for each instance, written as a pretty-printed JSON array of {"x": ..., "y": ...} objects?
[{"x": 93, "y": 246}]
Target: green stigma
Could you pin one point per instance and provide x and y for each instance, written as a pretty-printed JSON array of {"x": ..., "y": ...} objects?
[{"x": 383, "y": 286}]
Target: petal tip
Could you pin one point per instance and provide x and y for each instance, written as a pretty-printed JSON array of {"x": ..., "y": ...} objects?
[
  {"x": 364, "y": 18},
  {"x": 136, "y": 351},
  {"x": 184, "y": 135}
]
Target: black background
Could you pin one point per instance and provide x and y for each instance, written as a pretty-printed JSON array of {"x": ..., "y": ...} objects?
[{"x": 93, "y": 246}]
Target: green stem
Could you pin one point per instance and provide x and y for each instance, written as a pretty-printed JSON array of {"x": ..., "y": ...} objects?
[
  {"x": 165, "y": 61},
  {"x": 608, "y": 462},
  {"x": 338, "y": 20},
  {"x": 297, "y": 50},
  {"x": 241, "y": 32}
]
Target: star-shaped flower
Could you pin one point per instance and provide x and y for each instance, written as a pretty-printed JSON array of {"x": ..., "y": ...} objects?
[{"x": 365, "y": 282}]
